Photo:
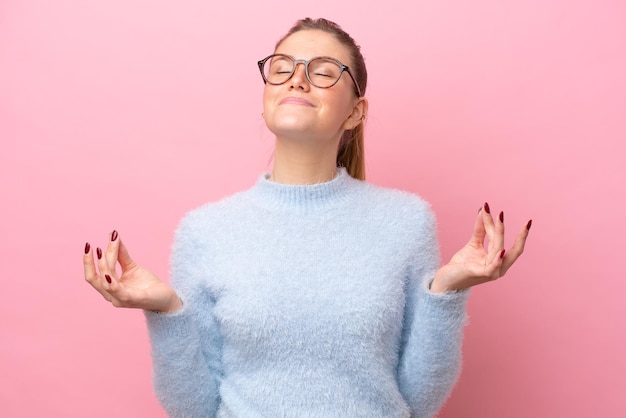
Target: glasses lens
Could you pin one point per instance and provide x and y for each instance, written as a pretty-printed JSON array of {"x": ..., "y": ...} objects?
[
  {"x": 324, "y": 72},
  {"x": 278, "y": 69}
]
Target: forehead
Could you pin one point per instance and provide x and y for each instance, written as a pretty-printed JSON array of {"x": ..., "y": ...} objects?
[{"x": 306, "y": 44}]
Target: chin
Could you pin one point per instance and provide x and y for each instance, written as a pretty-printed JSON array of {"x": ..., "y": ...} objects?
[{"x": 290, "y": 125}]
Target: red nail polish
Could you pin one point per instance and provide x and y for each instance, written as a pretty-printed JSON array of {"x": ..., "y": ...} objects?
[
  {"x": 99, "y": 253},
  {"x": 501, "y": 217},
  {"x": 87, "y": 248},
  {"x": 487, "y": 208},
  {"x": 106, "y": 276},
  {"x": 113, "y": 236},
  {"x": 502, "y": 254},
  {"x": 529, "y": 224}
]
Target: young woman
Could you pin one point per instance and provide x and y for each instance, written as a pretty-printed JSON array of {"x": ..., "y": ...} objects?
[{"x": 313, "y": 293}]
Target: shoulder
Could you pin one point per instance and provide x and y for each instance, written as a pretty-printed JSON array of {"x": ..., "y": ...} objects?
[
  {"x": 211, "y": 216},
  {"x": 397, "y": 204},
  {"x": 403, "y": 220},
  {"x": 395, "y": 216}
]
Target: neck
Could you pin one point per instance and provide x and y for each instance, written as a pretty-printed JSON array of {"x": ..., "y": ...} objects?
[{"x": 301, "y": 162}]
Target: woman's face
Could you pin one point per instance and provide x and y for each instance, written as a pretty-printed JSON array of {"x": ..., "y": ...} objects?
[{"x": 299, "y": 110}]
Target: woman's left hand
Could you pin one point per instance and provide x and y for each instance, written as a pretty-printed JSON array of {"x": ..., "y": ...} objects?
[{"x": 474, "y": 264}]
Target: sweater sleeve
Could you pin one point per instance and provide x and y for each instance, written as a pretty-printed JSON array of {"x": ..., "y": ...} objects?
[
  {"x": 186, "y": 345},
  {"x": 430, "y": 357}
]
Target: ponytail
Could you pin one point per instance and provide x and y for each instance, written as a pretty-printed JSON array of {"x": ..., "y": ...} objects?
[{"x": 350, "y": 154}]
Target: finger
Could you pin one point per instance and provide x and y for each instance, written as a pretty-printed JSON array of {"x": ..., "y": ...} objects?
[
  {"x": 120, "y": 295},
  {"x": 494, "y": 268},
  {"x": 123, "y": 257},
  {"x": 496, "y": 241},
  {"x": 517, "y": 249},
  {"x": 103, "y": 267},
  {"x": 89, "y": 267},
  {"x": 490, "y": 231},
  {"x": 110, "y": 285},
  {"x": 116, "y": 253},
  {"x": 487, "y": 221},
  {"x": 106, "y": 265},
  {"x": 478, "y": 235},
  {"x": 110, "y": 255},
  {"x": 91, "y": 274}
]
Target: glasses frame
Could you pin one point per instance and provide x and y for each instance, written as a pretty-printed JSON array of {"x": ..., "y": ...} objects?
[{"x": 343, "y": 68}]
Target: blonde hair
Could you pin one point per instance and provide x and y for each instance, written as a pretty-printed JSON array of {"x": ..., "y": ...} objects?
[{"x": 351, "y": 151}]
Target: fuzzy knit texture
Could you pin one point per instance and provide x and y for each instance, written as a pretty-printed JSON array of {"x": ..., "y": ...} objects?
[{"x": 308, "y": 301}]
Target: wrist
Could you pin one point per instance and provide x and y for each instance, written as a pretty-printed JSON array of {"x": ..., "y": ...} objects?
[
  {"x": 174, "y": 305},
  {"x": 438, "y": 286}
]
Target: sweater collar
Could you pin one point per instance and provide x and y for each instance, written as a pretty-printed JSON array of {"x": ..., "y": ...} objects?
[{"x": 304, "y": 196}]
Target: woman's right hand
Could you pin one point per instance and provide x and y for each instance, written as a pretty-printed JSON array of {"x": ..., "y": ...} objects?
[{"x": 137, "y": 287}]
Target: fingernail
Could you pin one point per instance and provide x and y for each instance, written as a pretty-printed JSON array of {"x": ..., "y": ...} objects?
[
  {"x": 99, "y": 253},
  {"x": 501, "y": 217},
  {"x": 87, "y": 248},
  {"x": 113, "y": 236},
  {"x": 106, "y": 276},
  {"x": 487, "y": 208},
  {"x": 502, "y": 254},
  {"x": 529, "y": 224}
]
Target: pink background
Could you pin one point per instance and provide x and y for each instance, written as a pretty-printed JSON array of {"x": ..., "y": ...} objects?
[{"x": 126, "y": 114}]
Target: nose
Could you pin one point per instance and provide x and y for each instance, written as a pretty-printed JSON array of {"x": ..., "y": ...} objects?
[{"x": 298, "y": 79}]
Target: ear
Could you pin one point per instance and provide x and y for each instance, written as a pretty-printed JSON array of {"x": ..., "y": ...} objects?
[{"x": 358, "y": 114}]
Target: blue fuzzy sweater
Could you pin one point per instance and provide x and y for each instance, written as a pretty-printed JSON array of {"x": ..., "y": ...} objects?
[{"x": 308, "y": 301}]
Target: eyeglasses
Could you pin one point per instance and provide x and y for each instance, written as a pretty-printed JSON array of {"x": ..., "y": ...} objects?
[{"x": 322, "y": 72}]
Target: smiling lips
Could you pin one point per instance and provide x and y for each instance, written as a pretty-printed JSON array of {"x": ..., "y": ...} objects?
[{"x": 296, "y": 101}]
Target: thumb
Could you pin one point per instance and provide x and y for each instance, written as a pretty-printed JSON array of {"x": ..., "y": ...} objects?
[
  {"x": 123, "y": 257},
  {"x": 478, "y": 234}
]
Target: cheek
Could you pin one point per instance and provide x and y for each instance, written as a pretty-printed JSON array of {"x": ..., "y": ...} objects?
[
  {"x": 270, "y": 98},
  {"x": 337, "y": 106}
]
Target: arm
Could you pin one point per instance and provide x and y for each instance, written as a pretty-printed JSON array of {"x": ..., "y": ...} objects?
[
  {"x": 185, "y": 340},
  {"x": 185, "y": 354},
  {"x": 435, "y": 312},
  {"x": 186, "y": 345},
  {"x": 430, "y": 357}
]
